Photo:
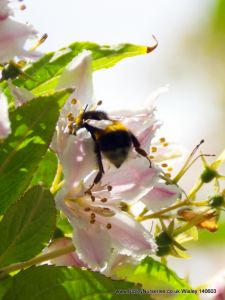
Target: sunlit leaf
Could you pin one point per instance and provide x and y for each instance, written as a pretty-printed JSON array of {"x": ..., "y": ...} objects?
[
  {"x": 33, "y": 125},
  {"x": 154, "y": 275},
  {"x": 50, "y": 283},
  {"x": 27, "y": 226},
  {"x": 46, "y": 71}
]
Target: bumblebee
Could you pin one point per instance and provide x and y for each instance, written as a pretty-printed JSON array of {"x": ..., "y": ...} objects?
[{"x": 112, "y": 139}]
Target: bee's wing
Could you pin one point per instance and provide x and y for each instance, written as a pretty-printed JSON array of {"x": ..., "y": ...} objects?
[{"x": 100, "y": 124}]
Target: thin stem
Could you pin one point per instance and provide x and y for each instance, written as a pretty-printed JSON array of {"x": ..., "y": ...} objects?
[
  {"x": 163, "y": 211},
  {"x": 57, "y": 178},
  {"x": 36, "y": 260},
  {"x": 195, "y": 189}
]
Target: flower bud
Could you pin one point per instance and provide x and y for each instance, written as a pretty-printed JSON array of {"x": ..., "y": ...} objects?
[
  {"x": 208, "y": 175},
  {"x": 163, "y": 241},
  {"x": 216, "y": 201}
]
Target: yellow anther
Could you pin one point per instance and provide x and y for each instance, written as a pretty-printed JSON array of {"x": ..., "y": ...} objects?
[
  {"x": 74, "y": 101},
  {"x": 164, "y": 165},
  {"x": 151, "y": 156},
  {"x": 162, "y": 140},
  {"x": 165, "y": 144},
  {"x": 169, "y": 169},
  {"x": 154, "y": 149}
]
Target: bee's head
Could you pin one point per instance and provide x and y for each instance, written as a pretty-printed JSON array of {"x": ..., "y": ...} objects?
[{"x": 117, "y": 156}]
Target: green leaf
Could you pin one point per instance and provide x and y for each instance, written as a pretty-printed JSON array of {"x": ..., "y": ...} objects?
[
  {"x": 46, "y": 71},
  {"x": 46, "y": 170},
  {"x": 33, "y": 125},
  {"x": 64, "y": 225},
  {"x": 27, "y": 226},
  {"x": 5, "y": 284},
  {"x": 154, "y": 275},
  {"x": 50, "y": 283}
]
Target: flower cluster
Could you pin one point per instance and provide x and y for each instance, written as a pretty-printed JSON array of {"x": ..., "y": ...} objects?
[{"x": 102, "y": 220}]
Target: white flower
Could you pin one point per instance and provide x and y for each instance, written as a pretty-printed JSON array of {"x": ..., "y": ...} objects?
[
  {"x": 101, "y": 223},
  {"x": 13, "y": 35}
]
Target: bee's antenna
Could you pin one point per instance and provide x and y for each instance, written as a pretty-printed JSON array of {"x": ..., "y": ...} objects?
[{"x": 85, "y": 107}]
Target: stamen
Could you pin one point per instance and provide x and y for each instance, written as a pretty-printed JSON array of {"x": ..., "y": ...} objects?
[
  {"x": 99, "y": 102},
  {"x": 92, "y": 221},
  {"x": 22, "y": 7},
  {"x": 70, "y": 117},
  {"x": 151, "y": 156},
  {"x": 164, "y": 165},
  {"x": 87, "y": 209},
  {"x": 104, "y": 200},
  {"x": 92, "y": 215},
  {"x": 74, "y": 101},
  {"x": 165, "y": 144},
  {"x": 162, "y": 140},
  {"x": 92, "y": 198},
  {"x": 109, "y": 188},
  {"x": 109, "y": 226},
  {"x": 154, "y": 149},
  {"x": 170, "y": 169}
]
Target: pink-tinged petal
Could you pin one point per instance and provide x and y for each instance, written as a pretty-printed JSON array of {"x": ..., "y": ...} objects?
[
  {"x": 78, "y": 75},
  {"x": 169, "y": 152},
  {"x": 13, "y": 36},
  {"x": 133, "y": 179},
  {"x": 130, "y": 237},
  {"x": 70, "y": 259},
  {"x": 5, "y": 129},
  {"x": 20, "y": 94},
  {"x": 5, "y": 11},
  {"x": 161, "y": 196},
  {"x": 93, "y": 245},
  {"x": 77, "y": 158}
]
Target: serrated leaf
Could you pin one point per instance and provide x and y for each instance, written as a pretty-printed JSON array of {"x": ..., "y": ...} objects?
[
  {"x": 27, "y": 226},
  {"x": 33, "y": 125},
  {"x": 46, "y": 170},
  {"x": 51, "y": 283},
  {"x": 155, "y": 275},
  {"x": 46, "y": 71},
  {"x": 5, "y": 284}
]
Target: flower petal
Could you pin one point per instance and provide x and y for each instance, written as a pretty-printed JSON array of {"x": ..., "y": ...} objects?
[
  {"x": 133, "y": 179},
  {"x": 78, "y": 74},
  {"x": 161, "y": 196},
  {"x": 5, "y": 129},
  {"x": 77, "y": 157},
  {"x": 13, "y": 36},
  {"x": 130, "y": 237},
  {"x": 93, "y": 245},
  {"x": 70, "y": 259}
]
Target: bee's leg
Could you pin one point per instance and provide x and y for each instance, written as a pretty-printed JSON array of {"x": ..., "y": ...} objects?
[
  {"x": 100, "y": 173},
  {"x": 98, "y": 177},
  {"x": 139, "y": 150}
]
